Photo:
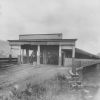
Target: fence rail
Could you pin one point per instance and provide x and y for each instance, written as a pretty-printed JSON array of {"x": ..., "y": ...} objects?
[{"x": 8, "y": 61}]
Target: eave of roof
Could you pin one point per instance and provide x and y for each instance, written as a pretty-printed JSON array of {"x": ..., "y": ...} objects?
[{"x": 44, "y": 40}]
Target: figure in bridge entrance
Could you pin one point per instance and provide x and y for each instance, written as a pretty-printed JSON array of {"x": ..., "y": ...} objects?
[{"x": 33, "y": 58}]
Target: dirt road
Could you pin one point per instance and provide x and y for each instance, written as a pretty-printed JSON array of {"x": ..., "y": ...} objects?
[{"x": 19, "y": 73}]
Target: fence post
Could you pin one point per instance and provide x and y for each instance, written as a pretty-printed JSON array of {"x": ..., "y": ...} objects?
[{"x": 10, "y": 58}]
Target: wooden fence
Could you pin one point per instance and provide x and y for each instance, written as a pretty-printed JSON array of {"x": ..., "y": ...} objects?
[{"x": 8, "y": 61}]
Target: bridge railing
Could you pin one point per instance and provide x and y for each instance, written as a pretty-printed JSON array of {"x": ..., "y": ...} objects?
[{"x": 80, "y": 63}]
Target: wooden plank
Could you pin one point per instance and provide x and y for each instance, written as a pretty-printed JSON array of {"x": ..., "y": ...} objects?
[{"x": 40, "y": 36}]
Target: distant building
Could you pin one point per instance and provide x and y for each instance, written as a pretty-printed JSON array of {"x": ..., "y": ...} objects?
[{"x": 49, "y": 49}]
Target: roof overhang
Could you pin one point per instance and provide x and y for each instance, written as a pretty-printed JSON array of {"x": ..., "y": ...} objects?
[{"x": 70, "y": 42}]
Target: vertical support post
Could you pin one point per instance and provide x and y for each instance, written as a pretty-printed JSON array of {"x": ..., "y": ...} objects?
[
  {"x": 73, "y": 52},
  {"x": 44, "y": 57},
  {"x": 38, "y": 55},
  {"x": 73, "y": 60},
  {"x": 63, "y": 58},
  {"x": 21, "y": 55},
  {"x": 10, "y": 55},
  {"x": 27, "y": 54},
  {"x": 60, "y": 54}
]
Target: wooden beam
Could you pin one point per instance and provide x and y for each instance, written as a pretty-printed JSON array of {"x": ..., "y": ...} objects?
[
  {"x": 60, "y": 55},
  {"x": 38, "y": 55}
]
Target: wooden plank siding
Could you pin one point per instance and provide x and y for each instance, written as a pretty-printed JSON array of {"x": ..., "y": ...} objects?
[
  {"x": 40, "y": 36},
  {"x": 81, "y": 63}
]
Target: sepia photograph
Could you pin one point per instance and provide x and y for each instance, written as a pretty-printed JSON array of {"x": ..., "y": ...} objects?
[{"x": 49, "y": 49}]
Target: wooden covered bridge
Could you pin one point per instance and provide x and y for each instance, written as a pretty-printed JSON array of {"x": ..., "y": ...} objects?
[{"x": 52, "y": 49}]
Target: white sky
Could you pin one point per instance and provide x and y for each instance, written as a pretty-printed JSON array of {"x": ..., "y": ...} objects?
[{"x": 74, "y": 18}]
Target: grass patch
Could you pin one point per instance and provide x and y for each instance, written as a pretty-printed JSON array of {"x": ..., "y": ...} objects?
[{"x": 49, "y": 89}]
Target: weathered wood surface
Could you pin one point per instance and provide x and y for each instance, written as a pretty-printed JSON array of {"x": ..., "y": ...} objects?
[
  {"x": 8, "y": 61},
  {"x": 81, "y": 63}
]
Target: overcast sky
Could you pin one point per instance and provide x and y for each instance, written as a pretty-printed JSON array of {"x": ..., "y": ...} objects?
[{"x": 74, "y": 18}]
